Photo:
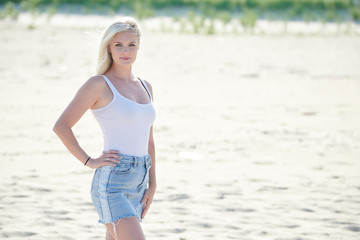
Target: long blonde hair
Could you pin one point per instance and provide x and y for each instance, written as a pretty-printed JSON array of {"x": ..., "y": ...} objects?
[{"x": 123, "y": 24}]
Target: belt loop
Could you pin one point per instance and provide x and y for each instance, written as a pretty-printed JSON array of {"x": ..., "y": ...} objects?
[{"x": 147, "y": 162}]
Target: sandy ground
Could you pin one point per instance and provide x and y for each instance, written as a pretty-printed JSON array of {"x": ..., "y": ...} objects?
[{"x": 258, "y": 137}]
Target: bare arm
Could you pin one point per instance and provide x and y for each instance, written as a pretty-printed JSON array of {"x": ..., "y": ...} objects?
[
  {"x": 151, "y": 149},
  {"x": 150, "y": 192},
  {"x": 152, "y": 175},
  {"x": 86, "y": 97}
]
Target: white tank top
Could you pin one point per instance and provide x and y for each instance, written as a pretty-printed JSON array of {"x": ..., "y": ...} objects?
[{"x": 125, "y": 123}]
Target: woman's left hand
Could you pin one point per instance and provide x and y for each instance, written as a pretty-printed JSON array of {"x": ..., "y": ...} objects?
[{"x": 147, "y": 200}]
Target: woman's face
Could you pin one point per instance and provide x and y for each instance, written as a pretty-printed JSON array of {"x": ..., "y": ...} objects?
[{"x": 124, "y": 47}]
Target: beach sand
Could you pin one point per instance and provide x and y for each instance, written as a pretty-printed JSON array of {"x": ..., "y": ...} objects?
[{"x": 257, "y": 136}]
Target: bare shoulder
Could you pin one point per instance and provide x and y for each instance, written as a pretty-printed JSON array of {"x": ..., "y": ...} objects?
[
  {"x": 148, "y": 85},
  {"x": 95, "y": 82},
  {"x": 150, "y": 88},
  {"x": 92, "y": 89}
]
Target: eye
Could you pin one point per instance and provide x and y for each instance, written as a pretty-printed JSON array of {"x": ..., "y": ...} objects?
[
  {"x": 118, "y": 45},
  {"x": 132, "y": 45}
]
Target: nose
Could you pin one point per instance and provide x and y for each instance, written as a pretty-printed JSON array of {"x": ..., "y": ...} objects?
[{"x": 125, "y": 49}]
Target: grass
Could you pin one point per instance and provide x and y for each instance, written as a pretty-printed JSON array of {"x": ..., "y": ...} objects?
[
  {"x": 248, "y": 19},
  {"x": 200, "y": 17},
  {"x": 31, "y": 26},
  {"x": 211, "y": 28},
  {"x": 224, "y": 16},
  {"x": 295, "y": 9},
  {"x": 355, "y": 13},
  {"x": 142, "y": 10},
  {"x": 9, "y": 11}
]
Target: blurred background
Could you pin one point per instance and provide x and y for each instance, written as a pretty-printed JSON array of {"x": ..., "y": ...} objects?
[
  {"x": 257, "y": 130},
  {"x": 191, "y": 16}
]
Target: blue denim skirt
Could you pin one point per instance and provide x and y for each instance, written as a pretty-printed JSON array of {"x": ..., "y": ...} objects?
[{"x": 117, "y": 191}]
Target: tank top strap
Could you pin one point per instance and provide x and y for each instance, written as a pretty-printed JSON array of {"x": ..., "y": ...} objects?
[
  {"x": 146, "y": 88},
  {"x": 113, "y": 89}
]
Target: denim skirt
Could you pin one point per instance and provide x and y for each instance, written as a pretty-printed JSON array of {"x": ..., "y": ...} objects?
[{"x": 117, "y": 191}]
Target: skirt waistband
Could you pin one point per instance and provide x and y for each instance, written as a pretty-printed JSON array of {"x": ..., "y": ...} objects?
[{"x": 135, "y": 159}]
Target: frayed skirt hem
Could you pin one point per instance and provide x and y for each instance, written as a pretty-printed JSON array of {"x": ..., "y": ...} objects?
[{"x": 120, "y": 218}]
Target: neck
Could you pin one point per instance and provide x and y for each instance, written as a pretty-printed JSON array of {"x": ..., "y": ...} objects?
[{"x": 121, "y": 73}]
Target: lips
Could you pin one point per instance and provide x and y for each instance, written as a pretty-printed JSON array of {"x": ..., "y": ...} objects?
[{"x": 125, "y": 58}]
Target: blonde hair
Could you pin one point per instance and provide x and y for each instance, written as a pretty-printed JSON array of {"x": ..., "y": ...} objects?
[{"x": 123, "y": 24}]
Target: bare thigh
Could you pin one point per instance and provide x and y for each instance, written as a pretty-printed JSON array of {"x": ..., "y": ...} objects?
[
  {"x": 108, "y": 236},
  {"x": 126, "y": 229}
]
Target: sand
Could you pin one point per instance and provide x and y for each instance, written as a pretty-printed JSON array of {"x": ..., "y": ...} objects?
[{"x": 257, "y": 136}]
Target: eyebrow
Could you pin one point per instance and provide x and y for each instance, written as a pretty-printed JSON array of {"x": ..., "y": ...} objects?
[{"x": 121, "y": 42}]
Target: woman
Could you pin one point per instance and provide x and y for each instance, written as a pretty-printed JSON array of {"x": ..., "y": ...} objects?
[{"x": 123, "y": 184}]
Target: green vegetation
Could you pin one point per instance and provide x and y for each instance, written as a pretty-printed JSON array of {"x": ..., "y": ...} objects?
[
  {"x": 248, "y": 19},
  {"x": 197, "y": 16},
  {"x": 210, "y": 29},
  {"x": 295, "y": 9},
  {"x": 355, "y": 13},
  {"x": 143, "y": 10},
  {"x": 9, "y": 11},
  {"x": 224, "y": 16}
]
